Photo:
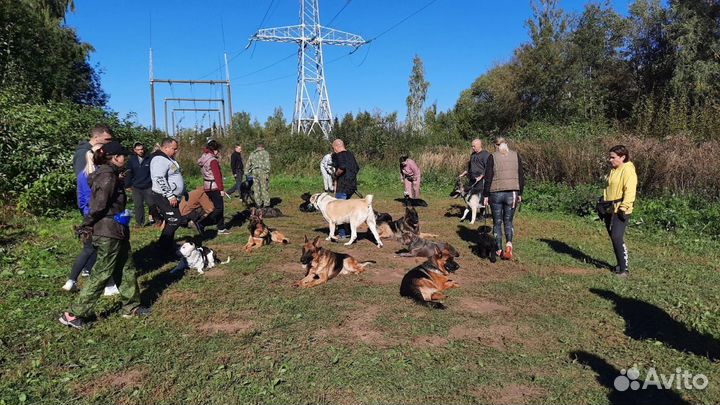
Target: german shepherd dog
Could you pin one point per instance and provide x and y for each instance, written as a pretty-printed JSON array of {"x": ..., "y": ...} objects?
[
  {"x": 389, "y": 229},
  {"x": 306, "y": 206},
  {"x": 425, "y": 283},
  {"x": 419, "y": 247},
  {"x": 486, "y": 247},
  {"x": 260, "y": 234},
  {"x": 321, "y": 264},
  {"x": 471, "y": 200},
  {"x": 246, "y": 193}
]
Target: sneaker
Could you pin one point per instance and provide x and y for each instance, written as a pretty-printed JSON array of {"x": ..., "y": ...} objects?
[
  {"x": 622, "y": 274},
  {"x": 223, "y": 232},
  {"x": 111, "y": 290},
  {"x": 70, "y": 285},
  {"x": 85, "y": 273},
  {"x": 508, "y": 253},
  {"x": 68, "y": 319},
  {"x": 138, "y": 311}
]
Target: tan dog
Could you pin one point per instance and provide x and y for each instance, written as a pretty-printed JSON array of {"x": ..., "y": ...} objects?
[
  {"x": 353, "y": 212},
  {"x": 260, "y": 234},
  {"x": 322, "y": 264}
]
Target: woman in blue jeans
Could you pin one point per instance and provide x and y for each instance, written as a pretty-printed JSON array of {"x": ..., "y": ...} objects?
[{"x": 504, "y": 183}]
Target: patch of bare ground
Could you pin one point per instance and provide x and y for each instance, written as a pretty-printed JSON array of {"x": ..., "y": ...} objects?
[
  {"x": 114, "y": 382},
  {"x": 230, "y": 325},
  {"x": 180, "y": 297},
  {"x": 423, "y": 342},
  {"x": 358, "y": 327},
  {"x": 478, "y": 306},
  {"x": 511, "y": 394},
  {"x": 498, "y": 336},
  {"x": 216, "y": 273}
]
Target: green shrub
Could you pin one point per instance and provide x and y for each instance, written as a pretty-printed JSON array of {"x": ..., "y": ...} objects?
[{"x": 52, "y": 195}]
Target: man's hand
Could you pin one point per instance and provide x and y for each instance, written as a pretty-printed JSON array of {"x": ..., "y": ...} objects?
[
  {"x": 173, "y": 201},
  {"x": 84, "y": 233},
  {"x": 519, "y": 199},
  {"x": 621, "y": 215},
  {"x": 486, "y": 201}
]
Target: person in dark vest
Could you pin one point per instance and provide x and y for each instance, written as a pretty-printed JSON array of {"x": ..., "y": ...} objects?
[
  {"x": 476, "y": 168},
  {"x": 504, "y": 183},
  {"x": 213, "y": 183},
  {"x": 110, "y": 232},
  {"x": 137, "y": 177}
]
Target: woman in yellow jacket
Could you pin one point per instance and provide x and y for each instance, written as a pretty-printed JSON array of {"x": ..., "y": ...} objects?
[{"x": 620, "y": 190}]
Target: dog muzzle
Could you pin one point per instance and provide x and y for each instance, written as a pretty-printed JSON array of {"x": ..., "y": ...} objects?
[{"x": 451, "y": 266}]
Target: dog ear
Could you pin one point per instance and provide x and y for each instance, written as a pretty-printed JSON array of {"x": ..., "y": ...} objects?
[
  {"x": 437, "y": 251},
  {"x": 316, "y": 242},
  {"x": 306, "y": 239}
]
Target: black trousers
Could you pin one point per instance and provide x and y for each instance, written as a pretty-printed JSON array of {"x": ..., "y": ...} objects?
[
  {"x": 238, "y": 180},
  {"x": 616, "y": 229},
  {"x": 142, "y": 196},
  {"x": 218, "y": 215},
  {"x": 171, "y": 216}
]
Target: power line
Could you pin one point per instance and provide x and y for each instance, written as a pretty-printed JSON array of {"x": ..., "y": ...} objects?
[
  {"x": 402, "y": 21},
  {"x": 338, "y": 13},
  {"x": 265, "y": 67}
]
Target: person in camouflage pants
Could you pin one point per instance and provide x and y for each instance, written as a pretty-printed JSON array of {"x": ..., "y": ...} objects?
[{"x": 259, "y": 169}]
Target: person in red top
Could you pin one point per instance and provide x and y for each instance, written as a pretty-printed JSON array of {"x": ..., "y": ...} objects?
[{"x": 213, "y": 183}]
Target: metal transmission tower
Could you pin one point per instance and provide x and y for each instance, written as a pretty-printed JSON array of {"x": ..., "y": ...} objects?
[{"x": 312, "y": 105}]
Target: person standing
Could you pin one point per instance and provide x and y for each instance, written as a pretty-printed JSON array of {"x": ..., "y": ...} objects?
[
  {"x": 237, "y": 167},
  {"x": 168, "y": 186},
  {"x": 138, "y": 177},
  {"x": 213, "y": 183},
  {"x": 620, "y": 191},
  {"x": 346, "y": 170},
  {"x": 327, "y": 170},
  {"x": 259, "y": 169},
  {"x": 99, "y": 135},
  {"x": 475, "y": 171},
  {"x": 111, "y": 238},
  {"x": 503, "y": 188},
  {"x": 410, "y": 175}
]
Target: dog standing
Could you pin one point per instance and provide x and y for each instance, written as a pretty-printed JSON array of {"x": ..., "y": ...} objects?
[
  {"x": 354, "y": 212},
  {"x": 200, "y": 258},
  {"x": 486, "y": 247},
  {"x": 471, "y": 200},
  {"x": 425, "y": 283},
  {"x": 261, "y": 234},
  {"x": 322, "y": 265}
]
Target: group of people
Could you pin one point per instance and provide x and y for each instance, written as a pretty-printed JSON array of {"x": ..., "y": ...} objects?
[{"x": 157, "y": 181}]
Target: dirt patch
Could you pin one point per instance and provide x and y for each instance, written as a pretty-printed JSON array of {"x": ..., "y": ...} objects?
[
  {"x": 359, "y": 327},
  {"x": 478, "y": 306},
  {"x": 215, "y": 273},
  {"x": 226, "y": 327},
  {"x": 513, "y": 394},
  {"x": 114, "y": 382},
  {"x": 575, "y": 271},
  {"x": 180, "y": 297},
  {"x": 429, "y": 341},
  {"x": 498, "y": 336}
]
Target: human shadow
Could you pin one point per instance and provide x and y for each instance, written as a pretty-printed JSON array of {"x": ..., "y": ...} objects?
[
  {"x": 238, "y": 219},
  {"x": 454, "y": 210},
  {"x": 155, "y": 286},
  {"x": 275, "y": 201},
  {"x": 647, "y": 321},
  {"x": 606, "y": 375},
  {"x": 152, "y": 257},
  {"x": 564, "y": 248},
  {"x": 482, "y": 243},
  {"x": 367, "y": 235},
  {"x": 412, "y": 202}
]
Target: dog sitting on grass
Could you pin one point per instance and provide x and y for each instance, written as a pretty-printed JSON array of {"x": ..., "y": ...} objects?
[{"x": 261, "y": 234}]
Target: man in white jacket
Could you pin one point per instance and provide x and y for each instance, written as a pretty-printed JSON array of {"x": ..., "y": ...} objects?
[{"x": 327, "y": 170}]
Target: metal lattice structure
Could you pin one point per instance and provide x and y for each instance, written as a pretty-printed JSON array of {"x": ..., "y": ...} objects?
[{"x": 312, "y": 104}]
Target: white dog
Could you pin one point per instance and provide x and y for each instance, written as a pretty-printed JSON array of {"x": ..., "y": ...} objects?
[
  {"x": 353, "y": 212},
  {"x": 471, "y": 200},
  {"x": 200, "y": 258}
]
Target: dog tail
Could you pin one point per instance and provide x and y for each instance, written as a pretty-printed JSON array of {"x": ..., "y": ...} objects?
[
  {"x": 226, "y": 261},
  {"x": 369, "y": 199},
  {"x": 365, "y": 263},
  {"x": 432, "y": 304}
]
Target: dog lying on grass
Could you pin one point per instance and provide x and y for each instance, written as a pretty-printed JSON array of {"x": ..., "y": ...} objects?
[
  {"x": 419, "y": 247},
  {"x": 322, "y": 265},
  {"x": 260, "y": 234},
  {"x": 425, "y": 283},
  {"x": 410, "y": 222},
  {"x": 306, "y": 206}
]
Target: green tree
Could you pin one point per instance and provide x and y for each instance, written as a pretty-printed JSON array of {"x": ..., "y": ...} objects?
[{"x": 417, "y": 95}]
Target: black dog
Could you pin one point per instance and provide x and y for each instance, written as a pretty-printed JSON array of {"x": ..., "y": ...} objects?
[
  {"x": 306, "y": 206},
  {"x": 486, "y": 247},
  {"x": 246, "y": 193}
]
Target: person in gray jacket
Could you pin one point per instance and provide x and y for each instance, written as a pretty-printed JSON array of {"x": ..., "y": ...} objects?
[{"x": 168, "y": 186}]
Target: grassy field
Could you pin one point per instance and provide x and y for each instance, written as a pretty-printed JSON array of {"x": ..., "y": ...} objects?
[{"x": 552, "y": 326}]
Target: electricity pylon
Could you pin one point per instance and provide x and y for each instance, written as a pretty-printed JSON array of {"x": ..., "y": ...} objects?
[{"x": 312, "y": 104}]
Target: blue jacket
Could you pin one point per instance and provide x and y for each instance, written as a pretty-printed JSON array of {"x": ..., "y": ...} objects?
[
  {"x": 138, "y": 174},
  {"x": 83, "y": 193}
]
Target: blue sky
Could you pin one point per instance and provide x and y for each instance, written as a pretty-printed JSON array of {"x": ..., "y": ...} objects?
[{"x": 458, "y": 40}]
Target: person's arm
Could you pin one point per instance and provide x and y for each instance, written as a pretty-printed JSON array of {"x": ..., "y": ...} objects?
[
  {"x": 215, "y": 169},
  {"x": 83, "y": 194},
  {"x": 102, "y": 190},
  {"x": 158, "y": 173},
  {"x": 629, "y": 191},
  {"x": 489, "y": 174},
  {"x": 521, "y": 177}
]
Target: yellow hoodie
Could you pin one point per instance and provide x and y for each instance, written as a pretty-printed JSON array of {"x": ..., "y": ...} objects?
[{"x": 622, "y": 184}]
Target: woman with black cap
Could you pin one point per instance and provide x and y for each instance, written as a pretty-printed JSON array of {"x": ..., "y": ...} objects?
[{"x": 108, "y": 222}]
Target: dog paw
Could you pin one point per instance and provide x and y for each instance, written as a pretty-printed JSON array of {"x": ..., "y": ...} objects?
[
  {"x": 348, "y": 243},
  {"x": 379, "y": 245}
]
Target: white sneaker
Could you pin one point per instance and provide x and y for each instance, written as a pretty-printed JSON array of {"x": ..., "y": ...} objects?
[
  {"x": 70, "y": 285},
  {"x": 110, "y": 290}
]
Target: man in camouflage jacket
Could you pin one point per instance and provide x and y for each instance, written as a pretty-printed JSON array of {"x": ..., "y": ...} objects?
[{"x": 258, "y": 167}]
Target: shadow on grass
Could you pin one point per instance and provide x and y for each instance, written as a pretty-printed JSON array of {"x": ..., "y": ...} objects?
[
  {"x": 238, "y": 219},
  {"x": 606, "y": 374},
  {"x": 482, "y": 243},
  {"x": 564, "y": 248},
  {"x": 454, "y": 211},
  {"x": 646, "y": 321}
]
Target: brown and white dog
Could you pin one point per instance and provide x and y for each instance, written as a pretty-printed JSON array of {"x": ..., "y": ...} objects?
[
  {"x": 425, "y": 283},
  {"x": 353, "y": 212},
  {"x": 260, "y": 234},
  {"x": 322, "y": 265}
]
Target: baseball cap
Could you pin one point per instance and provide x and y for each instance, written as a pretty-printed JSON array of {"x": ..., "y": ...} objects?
[{"x": 114, "y": 148}]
